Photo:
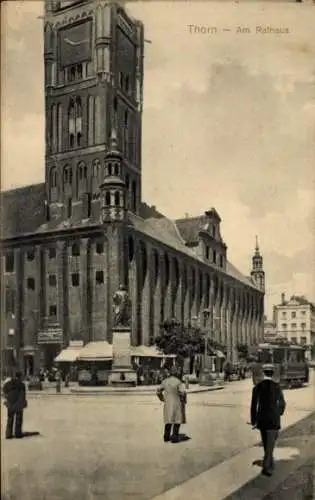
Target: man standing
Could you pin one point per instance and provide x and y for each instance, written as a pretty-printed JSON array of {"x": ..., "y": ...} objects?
[
  {"x": 172, "y": 393},
  {"x": 267, "y": 406},
  {"x": 15, "y": 401}
]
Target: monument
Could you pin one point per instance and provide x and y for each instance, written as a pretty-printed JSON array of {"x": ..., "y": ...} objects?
[{"x": 122, "y": 373}]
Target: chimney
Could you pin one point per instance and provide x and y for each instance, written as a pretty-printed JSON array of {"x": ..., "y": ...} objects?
[{"x": 282, "y": 299}]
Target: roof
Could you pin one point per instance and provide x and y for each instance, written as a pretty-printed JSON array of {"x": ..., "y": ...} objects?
[
  {"x": 22, "y": 210},
  {"x": 189, "y": 227},
  {"x": 96, "y": 351},
  {"x": 166, "y": 231},
  {"x": 68, "y": 355}
]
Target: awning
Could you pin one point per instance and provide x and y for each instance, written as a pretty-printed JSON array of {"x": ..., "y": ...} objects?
[
  {"x": 68, "y": 355},
  {"x": 144, "y": 351},
  {"x": 96, "y": 351}
]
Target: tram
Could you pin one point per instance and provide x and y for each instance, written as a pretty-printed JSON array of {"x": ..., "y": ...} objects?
[{"x": 289, "y": 362}]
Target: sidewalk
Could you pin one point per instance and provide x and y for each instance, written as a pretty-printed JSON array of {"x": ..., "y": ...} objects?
[{"x": 238, "y": 479}]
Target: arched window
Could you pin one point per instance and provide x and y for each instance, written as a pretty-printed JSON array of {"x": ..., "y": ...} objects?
[
  {"x": 97, "y": 120},
  {"x": 110, "y": 169},
  {"x": 117, "y": 198},
  {"x": 107, "y": 198},
  {"x": 72, "y": 74},
  {"x": 67, "y": 175},
  {"x": 134, "y": 195},
  {"x": 91, "y": 112},
  {"x": 85, "y": 172},
  {"x": 75, "y": 123},
  {"x": 59, "y": 127},
  {"x": 126, "y": 132},
  {"x": 79, "y": 72},
  {"x": 75, "y": 249},
  {"x": 53, "y": 177},
  {"x": 53, "y": 130},
  {"x": 116, "y": 169}
]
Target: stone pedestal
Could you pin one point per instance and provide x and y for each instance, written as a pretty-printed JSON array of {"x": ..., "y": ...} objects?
[{"x": 122, "y": 373}]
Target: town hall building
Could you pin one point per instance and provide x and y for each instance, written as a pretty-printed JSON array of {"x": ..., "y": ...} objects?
[{"x": 70, "y": 242}]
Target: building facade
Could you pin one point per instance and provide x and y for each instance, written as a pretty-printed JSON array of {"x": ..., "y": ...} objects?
[
  {"x": 270, "y": 330},
  {"x": 69, "y": 242},
  {"x": 295, "y": 320}
]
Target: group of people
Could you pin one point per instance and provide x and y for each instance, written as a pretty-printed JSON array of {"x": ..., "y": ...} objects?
[{"x": 267, "y": 407}]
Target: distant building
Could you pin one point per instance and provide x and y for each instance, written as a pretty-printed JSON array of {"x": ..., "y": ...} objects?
[
  {"x": 295, "y": 320},
  {"x": 270, "y": 331}
]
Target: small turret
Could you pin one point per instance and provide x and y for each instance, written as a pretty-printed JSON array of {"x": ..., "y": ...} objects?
[{"x": 113, "y": 188}]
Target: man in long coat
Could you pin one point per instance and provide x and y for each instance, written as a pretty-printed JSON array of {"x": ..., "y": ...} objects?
[
  {"x": 172, "y": 393},
  {"x": 267, "y": 406},
  {"x": 15, "y": 401}
]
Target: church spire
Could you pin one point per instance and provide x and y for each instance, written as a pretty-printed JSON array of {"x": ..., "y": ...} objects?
[{"x": 257, "y": 272}]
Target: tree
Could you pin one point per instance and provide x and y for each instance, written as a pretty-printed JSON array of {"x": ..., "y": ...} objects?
[{"x": 185, "y": 341}]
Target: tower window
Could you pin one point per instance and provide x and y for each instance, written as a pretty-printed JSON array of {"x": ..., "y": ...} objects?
[
  {"x": 214, "y": 256},
  {"x": 9, "y": 301},
  {"x": 110, "y": 169},
  {"x": 53, "y": 177},
  {"x": 79, "y": 72},
  {"x": 31, "y": 283},
  {"x": 221, "y": 260},
  {"x": 75, "y": 279},
  {"x": 116, "y": 169},
  {"x": 75, "y": 249},
  {"x": 134, "y": 195},
  {"x": 99, "y": 248},
  {"x": 79, "y": 138},
  {"x": 67, "y": 175},
  {"x": 89, "y": 205},
  {"x": 75, "y": 123},
  {"x": 117, "y": 198},
  {"x": 127, "y": 83},
  {"x": 52, "y": 280},
  {"x": 53, "y": 311},
  {"x": 115, "y": 104},
  {"x": 69, "y": 208},
  {"x": 126, "y": 132},
  {"x": 31, "y": 255},
  {"x": 52, "y": 253},
  {"x": 107, "y": 198},
  {"x": 9, "y": 262},
  {"x": 207, "y": 253},
  {"x": 99, "y": 277}
]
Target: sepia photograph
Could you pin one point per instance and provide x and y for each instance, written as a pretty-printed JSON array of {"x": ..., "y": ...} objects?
[{"x": 157, "y": 229}]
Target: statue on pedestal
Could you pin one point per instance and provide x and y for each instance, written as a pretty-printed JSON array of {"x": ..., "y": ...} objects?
[{"x": 121, "y": 307}]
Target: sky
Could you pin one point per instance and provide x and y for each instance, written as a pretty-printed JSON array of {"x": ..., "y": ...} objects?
[{"x": 228, "y": 123}]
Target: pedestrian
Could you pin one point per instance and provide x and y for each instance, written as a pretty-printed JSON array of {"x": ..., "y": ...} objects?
[
  {"x": 172, "y": 393},
  {"x": 58, "y": 378},
  {"x": 267, "y": 407},
  {"x": 15, "y": 400}
]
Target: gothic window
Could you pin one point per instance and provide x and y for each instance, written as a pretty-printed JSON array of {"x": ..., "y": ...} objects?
[
  {"x": 53, "y": 177},
  {"x": 79, "y": 71},
  {"x": 134, "y": 195},
  {"x": 52, "y": 280},
  {"x": 59, "y": 127},
  {"x": 126, "y": 132},
  {"x": 52, "y": 253},
  {"x": 116, "y": 169},
  {"x": 75, "y": 123},
  {"x": 9, "y": 262},
  {"x": 67, "y": 175},
  {"x": 31, "y": 255},
  {"x": 75, "y": 279},
  {"x": 221, "y": 260},
  {"x": 72, "y": 74},
  {"x": 110, "y": 169},
  {"x": 97, "y": 120},
  {"x": 99, "y": 277},
  {"x": 30, "y": 283},
  {"x": 99, "y": 248},
  {"x": 53, "y": 311},
  {"x": 53, "y": 130},
  {"x": 69, "y": 208},
  {"x": 91, "y": 114},
  {"x": 207, "y": 252},
  {"x": 214, "y": 256},
  {"x": 117, "y": 198},
  {"x": 75, "y": 250},
  {"x": 107, "y": 198}
]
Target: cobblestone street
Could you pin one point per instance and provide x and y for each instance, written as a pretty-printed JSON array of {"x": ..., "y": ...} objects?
[{"x": 109, "y": 447}]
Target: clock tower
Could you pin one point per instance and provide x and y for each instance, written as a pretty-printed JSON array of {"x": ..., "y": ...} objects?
[{"x": 93, "y": 79}]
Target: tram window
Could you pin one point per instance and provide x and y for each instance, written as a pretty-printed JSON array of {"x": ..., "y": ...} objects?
[
  {"x": 292, "y": 356},
  {"x": 300, "y": 356},
  {"x": 265, "y": 356},
  {"x": 278, "y": 356}
]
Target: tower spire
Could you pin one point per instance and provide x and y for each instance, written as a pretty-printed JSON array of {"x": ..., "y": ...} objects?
[
  {"x": 256, "y": 245},
  {"x": 257, "y": 272}
]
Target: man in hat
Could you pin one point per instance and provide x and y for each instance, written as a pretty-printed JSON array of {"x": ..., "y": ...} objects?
[
  {"x": 172, "y": 393},
  {"x": 267, "y": 406},
  {"x": 15, "y": 401}
]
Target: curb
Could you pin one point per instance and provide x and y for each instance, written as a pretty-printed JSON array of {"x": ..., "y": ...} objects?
[{"x": 114, "y": 392}]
